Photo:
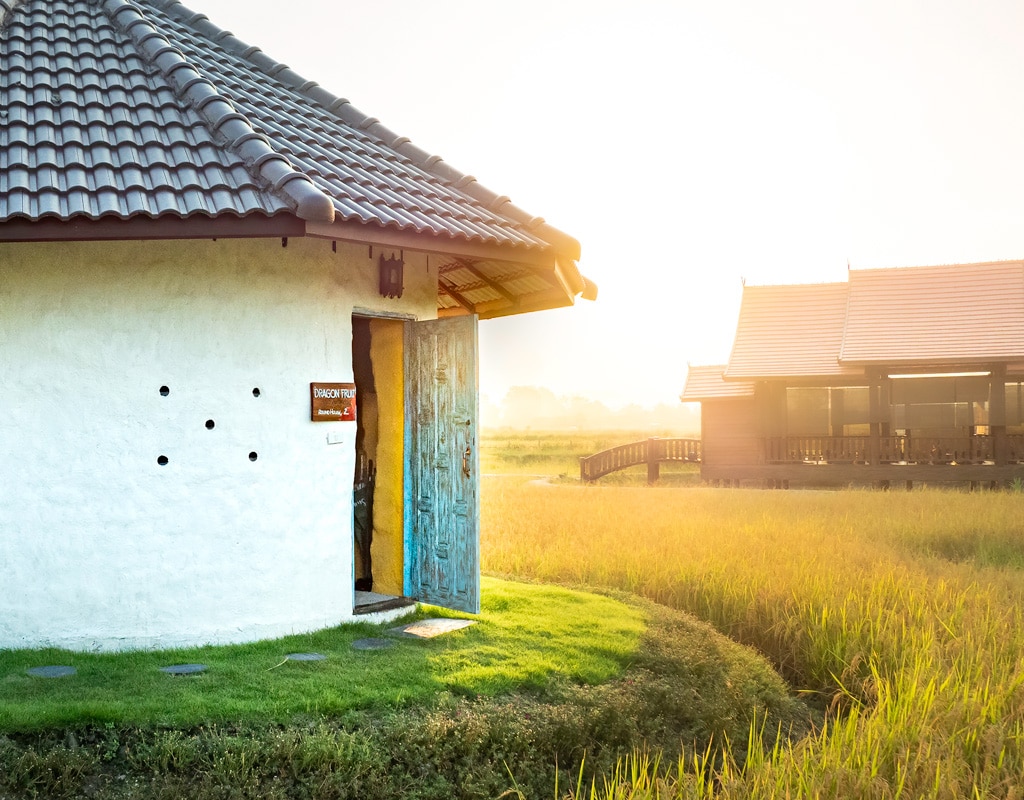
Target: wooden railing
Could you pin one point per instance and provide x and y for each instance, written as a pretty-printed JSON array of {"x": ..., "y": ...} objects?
[
  {"x": 797, "y": 449},
  {"x": 649, "y": 451},
  {"x": 906, "y": 449},
  {"x": 975, "y": 449}
]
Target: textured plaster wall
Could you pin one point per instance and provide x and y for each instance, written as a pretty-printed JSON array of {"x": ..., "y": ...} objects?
[{"x": 103, "y": 548}]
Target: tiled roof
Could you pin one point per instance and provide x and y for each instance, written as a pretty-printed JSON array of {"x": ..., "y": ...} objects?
[
  {"x": 708, "y": 383},
  {"x": 944, "y": 316},
  {"x": 955, "y": 313},
  {"x": 790, "y": 331},
  {"x": 118, "y": 110}
]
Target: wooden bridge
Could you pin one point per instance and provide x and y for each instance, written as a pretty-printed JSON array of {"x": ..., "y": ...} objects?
[{"x": 649, "y": 451}]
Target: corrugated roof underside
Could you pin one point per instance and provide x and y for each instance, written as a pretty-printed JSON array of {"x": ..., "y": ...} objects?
[
  {"x": 489, "y": 281},
  {"x": 88, "y": 129},
  {"x": 952, "y": 313},
  {"x": 708, "y": 383},
  {"x": 789, "y": 331}
]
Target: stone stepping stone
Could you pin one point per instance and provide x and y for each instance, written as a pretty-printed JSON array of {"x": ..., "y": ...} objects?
[
  {"x": 51, "y": 672},
  {"x": 373, "y": 643},
  {"x": 305, "y": 657},
  {"x": 429, "y": 628},
  {"x": 184, "y": 669}
]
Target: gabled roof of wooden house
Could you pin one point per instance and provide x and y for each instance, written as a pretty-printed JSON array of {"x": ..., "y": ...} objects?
[
  {"x": 789, "y": 330},
  {"x": 124, "y": 120},
  {"x": 947, "y": 316},
  {"x": 951, "y": 314}
]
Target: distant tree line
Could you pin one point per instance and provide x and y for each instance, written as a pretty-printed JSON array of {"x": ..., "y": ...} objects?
[{"x": 539, "y": 408}]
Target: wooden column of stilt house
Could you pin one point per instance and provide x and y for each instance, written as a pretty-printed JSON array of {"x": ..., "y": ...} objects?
[
  {"x": 997, "y": 413},
  {"x": 837, "y": 412},
  {"x": 771, "y": 400},
  {"x": 874, "y": 419},
  {"x": 878, "y": 416}
]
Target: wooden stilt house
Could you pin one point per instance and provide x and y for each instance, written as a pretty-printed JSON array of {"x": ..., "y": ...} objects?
[{"x": 911, "y": 374}]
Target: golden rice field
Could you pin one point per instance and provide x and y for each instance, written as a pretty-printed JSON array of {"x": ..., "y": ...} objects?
[{"x": 898, "y": 612}]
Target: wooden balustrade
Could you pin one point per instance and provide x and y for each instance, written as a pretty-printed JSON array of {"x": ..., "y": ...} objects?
[
  {"x": 909, "y": 448},
  {"x": 649, "y": 451},
  {"x": 784, "y": 451}
]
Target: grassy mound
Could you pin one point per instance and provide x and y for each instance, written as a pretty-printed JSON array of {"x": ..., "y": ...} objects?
[
  {"x": 526, "y": 636},
  {"x": 550, "y": 682}
]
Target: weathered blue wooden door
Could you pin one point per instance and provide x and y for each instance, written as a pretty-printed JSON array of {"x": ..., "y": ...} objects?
[{"x": 442, "y": 553}]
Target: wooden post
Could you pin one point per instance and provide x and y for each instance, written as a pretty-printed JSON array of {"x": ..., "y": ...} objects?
[
  {"x": 874, "y": 419},
  {"x": 997, "y": 413},
  {"x": 874, "y": 452},
  {"x": 885, "y": 404},
  {"x": 653, "y": 456},
  {"x": 837, "y": 418},
  {"x": 771, "y": 404}
]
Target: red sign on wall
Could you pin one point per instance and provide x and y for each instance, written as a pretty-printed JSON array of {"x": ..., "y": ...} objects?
[{"x": 332, "y": 402}]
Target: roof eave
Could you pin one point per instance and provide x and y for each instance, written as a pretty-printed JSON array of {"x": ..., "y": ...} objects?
[
  {"x": 567, "y": 283},
  {"x": 537, "y": 301},
  {"x": 938, "y": 361},
  {"x": 111, "y": 228},
  {"x": 366, "y": 233},
  {"x": 793, "y": 376}
]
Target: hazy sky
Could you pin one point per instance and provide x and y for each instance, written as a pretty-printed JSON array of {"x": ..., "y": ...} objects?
[{"x": 688, "y": 146}]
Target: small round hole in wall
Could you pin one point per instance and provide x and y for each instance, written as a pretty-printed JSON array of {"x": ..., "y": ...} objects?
[
  {"x": 210, "y": 424},
  {"x": 162, "y": 461},
  {"x": 164, "y": 391},
  {"x": 256, "y": 392},
  {"x": 253, "y": 455}
]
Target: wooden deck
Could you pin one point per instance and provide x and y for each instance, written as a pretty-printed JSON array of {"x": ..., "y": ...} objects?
[{"x": 826, "y": 474}]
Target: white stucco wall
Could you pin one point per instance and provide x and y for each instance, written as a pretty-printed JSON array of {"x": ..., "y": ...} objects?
[{"x": 101, "y": 547}]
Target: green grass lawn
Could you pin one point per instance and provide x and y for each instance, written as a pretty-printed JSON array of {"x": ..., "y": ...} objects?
[
  {"x": 550, "y": 686},
  {"x": 526, "y": 636}
]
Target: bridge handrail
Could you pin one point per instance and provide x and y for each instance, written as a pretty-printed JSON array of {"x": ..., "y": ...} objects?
[{"x": 648, "y": 451}]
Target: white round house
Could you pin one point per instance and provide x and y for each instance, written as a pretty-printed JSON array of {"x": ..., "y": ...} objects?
[{"x": 237, "y": 339}]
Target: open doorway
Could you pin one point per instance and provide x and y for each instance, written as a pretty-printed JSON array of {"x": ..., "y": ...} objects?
[
  {"x": 377, "y": 485},
  {"x": 365, "y": 477}
]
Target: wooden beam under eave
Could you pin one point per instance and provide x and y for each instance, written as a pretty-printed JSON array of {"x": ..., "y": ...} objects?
[{"x": 456, "y": 296}]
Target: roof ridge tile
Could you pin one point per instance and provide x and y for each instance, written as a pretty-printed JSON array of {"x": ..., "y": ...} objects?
[
  {"x": 350, "y": 114},
  {"x": 220, "y": 115},
  {"x": 6, "y": 7}
]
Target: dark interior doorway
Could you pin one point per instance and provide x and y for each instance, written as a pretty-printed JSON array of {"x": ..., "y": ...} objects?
[{"x": 365, "y": 477}]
